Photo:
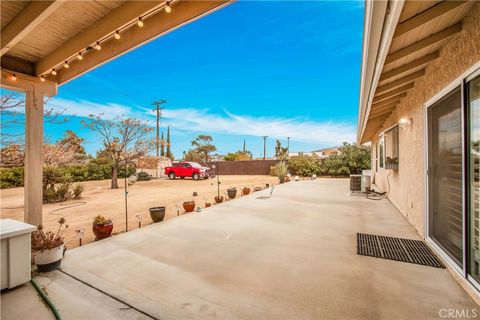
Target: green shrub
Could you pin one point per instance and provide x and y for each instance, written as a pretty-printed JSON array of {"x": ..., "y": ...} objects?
[
  {"x": 49, "y": 196},
  {"x": 143, "y": 176},
  {"x": 305, "y": 165},
  {"x": 63, "y": 191},
  {"x": 11, "y": 177}
]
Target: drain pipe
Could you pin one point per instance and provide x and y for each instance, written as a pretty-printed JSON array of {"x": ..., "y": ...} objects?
[{"x": 46, "y": 299}]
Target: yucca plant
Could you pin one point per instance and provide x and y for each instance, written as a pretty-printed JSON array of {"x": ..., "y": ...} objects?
[
  {"x": 279, "y": 170},
  {"x": 77, "y": 190}
]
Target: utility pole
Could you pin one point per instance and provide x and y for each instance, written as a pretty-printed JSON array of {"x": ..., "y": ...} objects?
[
  {"x": 158, "y": 109},
  {"x": 265, "y": 147},
  {"x": 288, "y": 146}
]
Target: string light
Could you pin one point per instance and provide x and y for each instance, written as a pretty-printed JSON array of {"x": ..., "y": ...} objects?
[
  {"x": 13, "y": 77},
  {"x": 42, "y": 79},
  {"x": 167, "y": 8}
]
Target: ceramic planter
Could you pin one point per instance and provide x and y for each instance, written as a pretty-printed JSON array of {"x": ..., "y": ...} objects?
[
  {"x": 218, "y": 199},
  {"x": 48, "y": 260},
  {"x": 245, "y": 191},
  {"x": 102, "y": 231},
  {"x": 232, "y": 193},
  {"x": 157, "y": 214},
  {"x": 189, "y": 206},
  {"x": 282, "y": 180},
  {"x": 207, "y": 204}
]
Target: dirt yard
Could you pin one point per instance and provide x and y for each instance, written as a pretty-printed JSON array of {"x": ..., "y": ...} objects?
[{"x": 99, "y": 199}]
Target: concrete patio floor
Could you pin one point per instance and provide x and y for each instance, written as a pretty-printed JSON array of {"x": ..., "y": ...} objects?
[{"x": 289, "y": 257}]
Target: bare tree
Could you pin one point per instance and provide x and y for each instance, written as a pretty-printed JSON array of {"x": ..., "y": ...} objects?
[
  {"x": 124, "y": 140},
  {"x": 12, "y": 118}
]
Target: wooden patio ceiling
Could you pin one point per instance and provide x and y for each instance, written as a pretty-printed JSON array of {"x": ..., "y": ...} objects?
[
  {"x": 423, "y": 28},
  {"x": 61, "y": 40}
]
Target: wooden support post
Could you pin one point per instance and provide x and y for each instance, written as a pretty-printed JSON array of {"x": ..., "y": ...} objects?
[{"x": 33, "y": 156}]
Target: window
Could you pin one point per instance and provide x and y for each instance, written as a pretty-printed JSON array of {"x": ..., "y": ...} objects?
[
  {"x": 380, "y": 151},
  {"x": 391, "y": 148}
]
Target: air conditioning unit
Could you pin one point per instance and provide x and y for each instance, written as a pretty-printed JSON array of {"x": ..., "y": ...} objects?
[
  {"x": 360, "y": 182},
  {"x": 356, "y": 183}
]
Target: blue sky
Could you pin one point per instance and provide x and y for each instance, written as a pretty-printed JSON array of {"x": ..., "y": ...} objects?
[{"x": 251, "y": 69}]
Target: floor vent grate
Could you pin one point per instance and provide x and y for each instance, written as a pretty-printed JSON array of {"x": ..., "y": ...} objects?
[{"x": 398, "y": 249}]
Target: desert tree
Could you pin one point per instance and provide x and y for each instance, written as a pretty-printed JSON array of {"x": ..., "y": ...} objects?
[
  {"x": 124, "y": 140},
  {"x": 67, "y": 150},
  {"x": 203, "y": 146},
  {"x": 281, "y": 153},
  {"x": 162, "y": 146},
  {"x": 169, "y": 151}
]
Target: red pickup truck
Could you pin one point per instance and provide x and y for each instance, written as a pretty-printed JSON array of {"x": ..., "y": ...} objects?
[{"x": 187, "y": 169}]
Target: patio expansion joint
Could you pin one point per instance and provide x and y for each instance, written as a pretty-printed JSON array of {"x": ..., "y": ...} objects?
[{"x": 109, "y": 295}]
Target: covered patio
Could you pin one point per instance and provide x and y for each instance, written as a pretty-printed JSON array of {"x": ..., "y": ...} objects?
[{"x": 290, "y": 256}]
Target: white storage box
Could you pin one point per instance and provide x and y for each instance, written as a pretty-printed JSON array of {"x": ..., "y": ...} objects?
[{"x": 15, "y": 252}]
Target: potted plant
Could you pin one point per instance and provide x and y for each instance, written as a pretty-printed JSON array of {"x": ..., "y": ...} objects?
[
  {"x": 207, "y": 204},
  {"x": 232, "y": 193},
  {"x": 48, "y": 247},
  {"x": 157, "y": 214},
  {"x": 189, "y": 206},
  {"x": 245, "y": 191},
  {"x": 218, "y": 199},
  {"x": 102, "y": 227},
  {"x": 280, "y": 170}
]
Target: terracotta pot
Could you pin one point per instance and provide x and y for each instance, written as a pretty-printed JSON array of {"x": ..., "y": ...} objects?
[
  {"x": 48, "y": 260},
  {"x": 102, "y": 231},
  {"x": 232, "y": 193},
  {"x": 157, "y": 214},
  {"x": 207, "y": 204},
  {"x": 218, "y": 199},
  {"x": 245, "y": 191},
  {"x": 189, "y": 206}
]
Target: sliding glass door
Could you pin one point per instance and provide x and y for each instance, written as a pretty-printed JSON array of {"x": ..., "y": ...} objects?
[
  {"x": 445, "y": 174},
  {"x": 473, "y": 154}
]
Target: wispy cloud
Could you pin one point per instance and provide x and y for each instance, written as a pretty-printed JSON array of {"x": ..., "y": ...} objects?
[{"x": 202, "y": 120}]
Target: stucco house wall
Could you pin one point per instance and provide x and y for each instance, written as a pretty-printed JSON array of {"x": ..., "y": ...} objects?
[{"x": 406, "y": 185}]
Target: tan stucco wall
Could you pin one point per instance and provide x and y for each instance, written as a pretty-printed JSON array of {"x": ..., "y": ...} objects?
[{"x": 407, "y": 183}]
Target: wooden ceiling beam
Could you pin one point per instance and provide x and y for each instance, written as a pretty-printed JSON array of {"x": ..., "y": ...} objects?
[
  {"x": 424, "y": 43},
  {"x": 397, "y": 83},
  {"x": 389, "y": 94},
  {"x": 382, "y": 115},
  {"x": 385, "y": 107},
  {"x": 26, "y": 83},
  {"x": 409, "y": 66},
  {"x": 30, "y": 17},
  {"x": 426, "y": 16},
  {"x": 120, "y": 17},
  {"x": 389, "y": 100},
  {"x": 183, "y": 12}
]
